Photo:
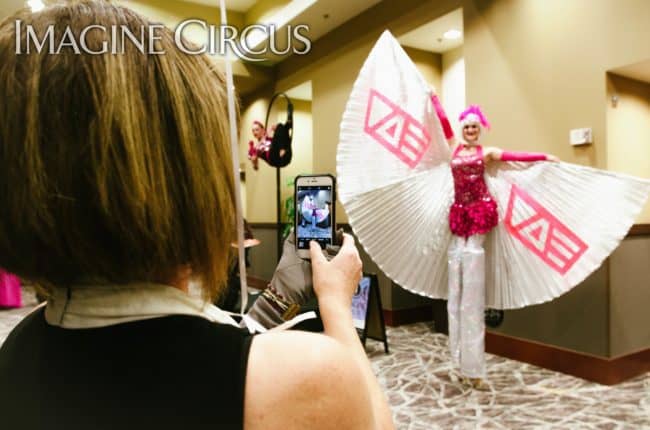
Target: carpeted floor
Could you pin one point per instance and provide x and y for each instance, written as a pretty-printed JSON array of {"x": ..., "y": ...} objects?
[{"x": 425, "y": 392}]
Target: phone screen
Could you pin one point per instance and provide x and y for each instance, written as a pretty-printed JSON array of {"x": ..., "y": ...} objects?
[{"x": 314, "y": 215}]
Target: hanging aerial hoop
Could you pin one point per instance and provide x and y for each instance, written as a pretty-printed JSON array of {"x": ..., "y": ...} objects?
[
  {"x": 282, "y": 136},
  {"x": 232, "y": 118}
]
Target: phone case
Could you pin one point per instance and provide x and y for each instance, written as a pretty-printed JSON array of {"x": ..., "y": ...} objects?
[{"x": 332, "y": 206}]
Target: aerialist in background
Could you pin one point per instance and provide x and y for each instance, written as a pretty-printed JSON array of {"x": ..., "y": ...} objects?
[{"x": 276, "y": 152}]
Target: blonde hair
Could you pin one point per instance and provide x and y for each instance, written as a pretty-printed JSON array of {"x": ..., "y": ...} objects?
[{"x": 115, "y": 166}]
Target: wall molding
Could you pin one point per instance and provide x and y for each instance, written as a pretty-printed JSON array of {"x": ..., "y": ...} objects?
[
  {"x": 635, "y": 230},
  {"x": 606, "y": 371},
  {"x": 257, "y": 283},
  {"x": 397, "y": 317},
  {"x": 269, "y": 225},
  {"x": 639, "y": 230}
]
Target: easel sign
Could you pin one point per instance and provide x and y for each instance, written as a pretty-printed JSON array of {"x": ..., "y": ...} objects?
[{"x": 367, "y": 313}]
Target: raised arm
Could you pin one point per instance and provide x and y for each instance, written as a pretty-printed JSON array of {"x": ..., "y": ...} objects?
[
  {"x": 444, "y": 120},
  {"x": 334, "y": 283},
  {"x": 299, "y": 380}
]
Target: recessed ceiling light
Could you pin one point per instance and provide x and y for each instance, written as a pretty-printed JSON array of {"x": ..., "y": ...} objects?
[
  {"x": 452, "y": 34},
  {"x": 36, "y": 5}
]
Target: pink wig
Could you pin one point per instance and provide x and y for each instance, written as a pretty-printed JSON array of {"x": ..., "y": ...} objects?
[{"x": 473, "y": 115}]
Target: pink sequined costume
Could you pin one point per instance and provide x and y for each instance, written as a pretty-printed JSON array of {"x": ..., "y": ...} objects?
[
  {"x": 471, "y": 216},
  {"x": 474, "y": 211},
  {"x": 260, "y": 149}
]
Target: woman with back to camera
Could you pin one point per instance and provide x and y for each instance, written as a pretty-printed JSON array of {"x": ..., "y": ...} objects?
[{"x": 118, "y": 189}]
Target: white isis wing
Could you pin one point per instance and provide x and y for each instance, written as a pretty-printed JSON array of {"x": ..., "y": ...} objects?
[
  {"x": 404, "y": 228},
  {"x": 393, "y": 173},
  {"x": 557, "y": 224},
  {"x": 389, "y": 129}
]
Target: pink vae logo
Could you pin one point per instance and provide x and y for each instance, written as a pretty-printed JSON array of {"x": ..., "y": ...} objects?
[
  {"x": 541, "y": 232},
  {"x": 395, "y": 129}
]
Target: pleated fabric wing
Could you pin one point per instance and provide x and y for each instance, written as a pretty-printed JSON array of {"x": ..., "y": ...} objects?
[
  {"x": 393, "y": 173},
  {"x": 557, "y": 224}
]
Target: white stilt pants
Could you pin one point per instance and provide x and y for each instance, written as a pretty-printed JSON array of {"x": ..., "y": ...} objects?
[{"x": 465, "y": 305}]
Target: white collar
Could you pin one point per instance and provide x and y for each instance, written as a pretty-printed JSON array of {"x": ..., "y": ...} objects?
[{"x": 91, "y": 306}]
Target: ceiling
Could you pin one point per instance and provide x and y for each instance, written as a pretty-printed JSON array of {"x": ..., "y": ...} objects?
[
  {"x": 639, "y": 71},
  {"x": 322, "y": 16},
  {"x": 428, "y": 37},
  {"x": 234, "y": 5}
]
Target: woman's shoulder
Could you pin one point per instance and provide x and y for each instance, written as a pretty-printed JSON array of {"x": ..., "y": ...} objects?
[{"x": 304, "y": 380}]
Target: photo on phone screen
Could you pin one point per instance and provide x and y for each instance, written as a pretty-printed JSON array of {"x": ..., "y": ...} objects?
[{"x": 314, "y": 211}]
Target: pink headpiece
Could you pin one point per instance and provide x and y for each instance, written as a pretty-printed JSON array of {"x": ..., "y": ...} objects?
[
  {"x": 258, "y": 123},
  {"x": 473, "y": 114}
]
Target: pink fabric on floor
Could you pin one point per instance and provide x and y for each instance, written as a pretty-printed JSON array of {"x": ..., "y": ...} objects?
[{"x": 9, "y": 290}]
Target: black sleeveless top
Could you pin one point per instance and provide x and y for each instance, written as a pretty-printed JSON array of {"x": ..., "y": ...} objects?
[{"x": 175, "y": 372}]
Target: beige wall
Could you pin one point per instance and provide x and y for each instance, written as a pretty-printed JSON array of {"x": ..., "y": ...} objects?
[
  {"x": 452, "y": 88},
  {"x": 578, "y": 320},
  {"x": 538, "y": 68},
  {"x": 629, "y": 322},
  {"x": 628, "y": 130}
]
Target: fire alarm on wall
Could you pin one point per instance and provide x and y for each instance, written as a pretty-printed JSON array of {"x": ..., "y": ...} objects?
[{"x": 580, "y": 136}]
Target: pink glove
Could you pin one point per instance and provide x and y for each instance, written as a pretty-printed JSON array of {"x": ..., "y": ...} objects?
[
  {"x": 442, "y": 116},
  {"x": 523, "y": 156}
]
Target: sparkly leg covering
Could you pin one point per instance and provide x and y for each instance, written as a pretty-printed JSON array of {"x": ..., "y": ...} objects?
[
  {"x": 453, "y": 301},
  {"x": 472, "y": 305}
]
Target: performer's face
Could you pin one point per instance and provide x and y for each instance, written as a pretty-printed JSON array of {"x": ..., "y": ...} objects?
[
  {"x": 471, "y": 133},
  {"x": 258, "y": 131}
]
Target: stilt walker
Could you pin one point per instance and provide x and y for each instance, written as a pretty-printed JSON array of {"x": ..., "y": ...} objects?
[{"x": 449, "y": 219}]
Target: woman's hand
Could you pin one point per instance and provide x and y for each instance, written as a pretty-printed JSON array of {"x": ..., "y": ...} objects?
[
  {"x": 553, "y": 158},
  {"x": 335, "y": 281}
]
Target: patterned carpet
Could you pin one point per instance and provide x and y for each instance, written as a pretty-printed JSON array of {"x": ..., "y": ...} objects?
[{"x": 425, "y": 392}]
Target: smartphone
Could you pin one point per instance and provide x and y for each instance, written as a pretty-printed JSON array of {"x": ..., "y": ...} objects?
[{"x": 315, "y": 197}]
